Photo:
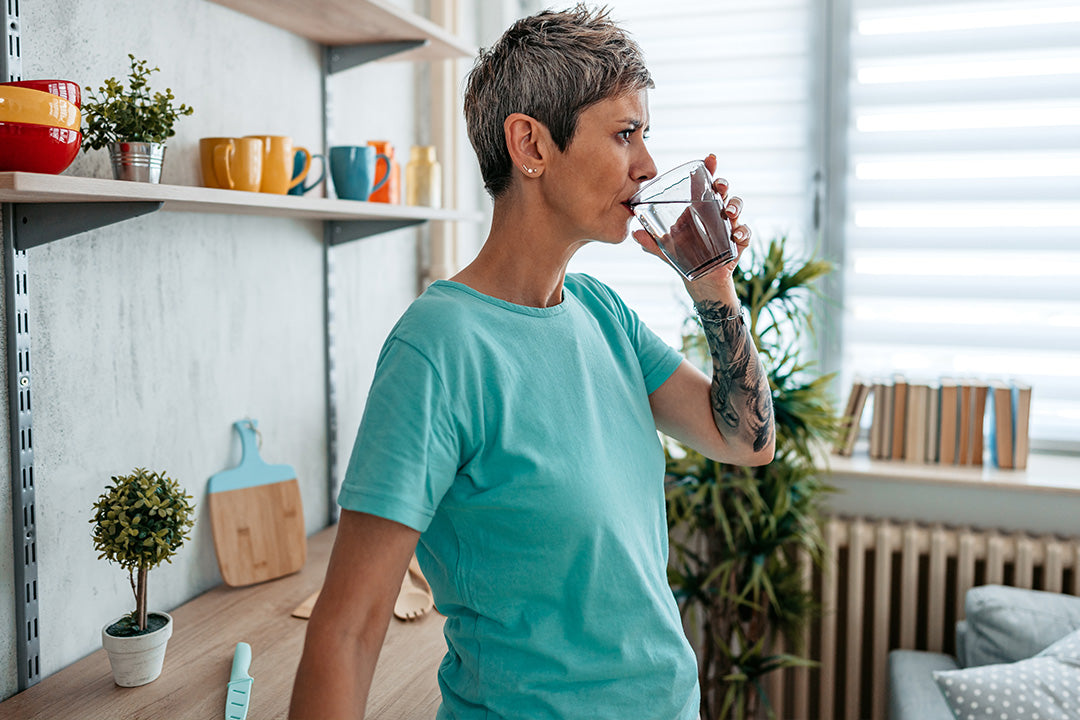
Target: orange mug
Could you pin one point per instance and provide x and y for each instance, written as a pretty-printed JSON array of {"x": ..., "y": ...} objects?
[
  {"x": 232, "y": 163},
  {"x": 277, "y": 175}
]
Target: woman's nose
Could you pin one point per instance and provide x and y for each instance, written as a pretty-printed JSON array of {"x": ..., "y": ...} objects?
[{"x": 645, "y": 168}]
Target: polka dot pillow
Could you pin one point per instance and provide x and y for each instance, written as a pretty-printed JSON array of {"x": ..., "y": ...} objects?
[{"x": 1044, "y": 687}]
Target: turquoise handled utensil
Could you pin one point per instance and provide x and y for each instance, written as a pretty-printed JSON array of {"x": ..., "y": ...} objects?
[{"x": 239, "y": 695}]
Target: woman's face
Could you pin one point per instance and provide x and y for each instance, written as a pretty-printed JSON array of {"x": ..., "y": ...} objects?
[{"x": 604, "y": 164}]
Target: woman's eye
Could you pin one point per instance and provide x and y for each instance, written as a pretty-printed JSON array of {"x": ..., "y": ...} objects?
[{"x": 625, "y": 134}]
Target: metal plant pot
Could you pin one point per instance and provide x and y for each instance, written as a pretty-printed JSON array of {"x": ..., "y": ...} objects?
[{"x": 137, "y": 161}]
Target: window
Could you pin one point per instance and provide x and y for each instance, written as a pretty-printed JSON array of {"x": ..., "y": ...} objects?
[
  {"x": 962, "y": 222},
  {"x": 946, "y": 138},
  {"x": 734, "y": 79}
]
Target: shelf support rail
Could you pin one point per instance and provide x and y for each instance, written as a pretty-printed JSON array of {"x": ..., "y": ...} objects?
[
  {"x": 17, "y": 332},
  {"x": 20, "y": 417}
]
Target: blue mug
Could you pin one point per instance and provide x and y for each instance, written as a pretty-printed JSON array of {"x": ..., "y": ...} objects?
[
  {"x": 353, "y": 169},
  {"x": 298, "y": 167}
]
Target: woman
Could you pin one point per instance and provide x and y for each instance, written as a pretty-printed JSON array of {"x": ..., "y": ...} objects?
[{"x": 510, "y": 431}]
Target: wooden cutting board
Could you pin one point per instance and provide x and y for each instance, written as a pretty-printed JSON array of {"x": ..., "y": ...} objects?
[{"x": 257, "y": 517}]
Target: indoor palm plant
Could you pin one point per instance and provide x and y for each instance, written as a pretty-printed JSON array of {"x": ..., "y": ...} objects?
[
  {"x": 139, "y": 521},
  {"x": 736, "y": 532},
  {"x": 132, "y": 123}
]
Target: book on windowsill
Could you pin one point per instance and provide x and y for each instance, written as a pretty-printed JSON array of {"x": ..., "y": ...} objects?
[
  {"x": 979, "y": 391},
  {"x": 964, "y": 425},
  {"x": 933, "y": 427},
  {"x": 1001, "y": 445},
  {"x": 899, "y": 415},
  {"x": 877, "y": 419},
  {"x": 915, "y": 424},
  {"x": 1021, "y": 402},
  {"x": 948, "y": 417},
  {"x": 860, "y": 391}
]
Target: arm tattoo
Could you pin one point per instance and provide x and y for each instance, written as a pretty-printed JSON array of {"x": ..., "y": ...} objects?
[{"x": 741, "y": 398}]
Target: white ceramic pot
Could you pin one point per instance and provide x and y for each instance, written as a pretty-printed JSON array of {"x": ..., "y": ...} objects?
[{"x": 137, "y": 660}]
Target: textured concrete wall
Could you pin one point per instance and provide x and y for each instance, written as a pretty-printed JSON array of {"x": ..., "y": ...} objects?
[{"x": 152, "y": 336}]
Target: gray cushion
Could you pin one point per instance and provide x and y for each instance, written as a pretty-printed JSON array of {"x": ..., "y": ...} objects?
[
  {"x": 913, "y": 694},
  {"x": 1044, "y": 687},
  {"x": 1006, "y": 624}
]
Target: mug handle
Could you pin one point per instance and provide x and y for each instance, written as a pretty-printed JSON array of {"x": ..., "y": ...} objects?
[
  {"x": 322, "y": 173},
  {"x": 386, "y": 177},
  {"x": 222, "y": 155},
  {"x": 307, "y": 166}
]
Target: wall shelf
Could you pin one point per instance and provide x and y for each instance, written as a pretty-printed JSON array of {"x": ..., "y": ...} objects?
[
  {"x": 21, "y": 187},
  {"x": 102, "y": 202},
  {"x": 357, "y": 22}
]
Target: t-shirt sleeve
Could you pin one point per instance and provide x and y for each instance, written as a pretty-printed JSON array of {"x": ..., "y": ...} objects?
[
  {"x": 658, "y": 360},
  {"x": 406, "y": 452}
]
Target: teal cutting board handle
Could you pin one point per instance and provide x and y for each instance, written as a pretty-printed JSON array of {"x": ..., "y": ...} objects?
[
  {"x": 252, "y": 470},
  {"x": 256, "y": 516}
]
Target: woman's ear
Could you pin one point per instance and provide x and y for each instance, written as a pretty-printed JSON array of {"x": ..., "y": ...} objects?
[{"x": 525, "y": 143}]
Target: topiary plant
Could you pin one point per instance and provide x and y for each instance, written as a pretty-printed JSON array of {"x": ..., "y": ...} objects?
[
  {"x": 129, "y": 115},
  {"x": 139, "y": 521}
]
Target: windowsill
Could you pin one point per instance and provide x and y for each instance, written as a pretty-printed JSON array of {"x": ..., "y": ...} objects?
[{"x": 1045, "y": 472}]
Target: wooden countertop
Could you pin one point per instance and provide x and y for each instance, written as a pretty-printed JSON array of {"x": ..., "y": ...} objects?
[{"x": 199, "y": 659}]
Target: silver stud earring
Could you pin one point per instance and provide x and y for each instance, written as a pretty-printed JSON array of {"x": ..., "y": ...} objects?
[{"x": 528, "y": 169}]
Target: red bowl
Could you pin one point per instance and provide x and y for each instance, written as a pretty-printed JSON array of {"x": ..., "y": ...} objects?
[
  {"x": 64, "y": 88},
  {"x": 37, "y": 148}
]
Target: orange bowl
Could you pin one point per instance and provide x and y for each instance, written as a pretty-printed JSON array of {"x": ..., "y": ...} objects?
[
  {"x": 64, "y": 88},
  {"x": 25, "y": 105},
  {"x": 37, "y": 148}
]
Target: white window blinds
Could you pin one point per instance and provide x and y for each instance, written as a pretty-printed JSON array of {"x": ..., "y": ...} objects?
[
  {"x": 735, "y": 79},
  {"x": 962, "y": 228}
]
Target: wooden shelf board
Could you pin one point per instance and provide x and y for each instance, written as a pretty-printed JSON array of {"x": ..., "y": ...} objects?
[
  {"x": 348, "y": 22},
  {"x": 19, "y": 187}
]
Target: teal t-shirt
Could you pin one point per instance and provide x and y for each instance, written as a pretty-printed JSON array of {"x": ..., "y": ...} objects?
[{"x": 519, "y": 441}]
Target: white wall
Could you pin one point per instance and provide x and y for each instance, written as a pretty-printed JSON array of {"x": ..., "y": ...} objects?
[{"x": 150, "y": 337}]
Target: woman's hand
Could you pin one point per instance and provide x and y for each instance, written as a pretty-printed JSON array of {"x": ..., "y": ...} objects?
[{"x": 740, "y": 234}]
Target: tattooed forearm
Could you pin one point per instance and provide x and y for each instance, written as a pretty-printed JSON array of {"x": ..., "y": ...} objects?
[{"x": 741, "y": 398}]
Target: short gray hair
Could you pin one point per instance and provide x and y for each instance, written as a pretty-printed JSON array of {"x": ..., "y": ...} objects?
[{"x": 549, "y": 66}]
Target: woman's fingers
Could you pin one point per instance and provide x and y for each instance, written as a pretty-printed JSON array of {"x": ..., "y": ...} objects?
[
  {"x": 645, "y": 240},
  {"x": 740, "y": 235},
  {"x": 733, "y": 208}
]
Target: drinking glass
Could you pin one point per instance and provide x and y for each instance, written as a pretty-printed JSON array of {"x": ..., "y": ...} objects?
[{"x": 682, "y": 212}]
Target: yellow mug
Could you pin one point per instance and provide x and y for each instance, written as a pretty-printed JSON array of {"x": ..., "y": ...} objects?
[
  {"x": 206, "y": 159},
  {"x": 277, "y": 176},
  {"x": 232, "y": 163}
]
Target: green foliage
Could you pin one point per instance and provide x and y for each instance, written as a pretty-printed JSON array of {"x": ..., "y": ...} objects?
[
  {"x": 738, "y": 533},
  {"x": 131, "y": 115},
  {"x": 140, "y": 521}
]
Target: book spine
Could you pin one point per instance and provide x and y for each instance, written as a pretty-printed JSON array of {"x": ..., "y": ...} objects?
[
  {"x": 948, "y": 413},
  {"x": 1021, "y": 396},
  {"x": 899, "y": 417},
  {"x": 933, "y": 426}
]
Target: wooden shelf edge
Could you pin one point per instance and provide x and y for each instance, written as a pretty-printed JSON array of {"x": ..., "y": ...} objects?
[
  {"x": 20, "y": 187},
  {"x": 329, "y": 22}
]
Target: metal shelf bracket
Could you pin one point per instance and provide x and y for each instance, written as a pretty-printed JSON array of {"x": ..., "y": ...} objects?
[
  {"x": 39, "y": 223},
  {"x": 343, "y": 231},
  {"x": 343, "y": 57}
]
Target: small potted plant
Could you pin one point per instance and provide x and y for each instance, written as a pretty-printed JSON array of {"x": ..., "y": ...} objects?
[
  {"x": 140, "y": 520},
  {"x": 130, "y": 122}
]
